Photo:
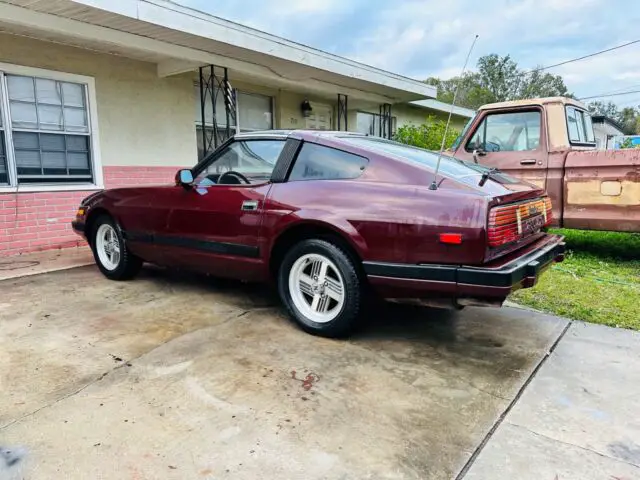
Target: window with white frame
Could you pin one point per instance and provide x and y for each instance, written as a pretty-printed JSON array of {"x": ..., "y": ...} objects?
[
  {"x": 253, "y": 112},
  {"x": 4, "y": 171},
  {"x": 45, "y": 137},
  {"x": 369, "y": 123}
]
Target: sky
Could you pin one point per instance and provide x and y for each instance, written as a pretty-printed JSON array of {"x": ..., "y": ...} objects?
[{"x": 424, "y": 38}]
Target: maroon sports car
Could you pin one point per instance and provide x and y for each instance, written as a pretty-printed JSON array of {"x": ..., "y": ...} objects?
[{"x": 329, "y": 216}]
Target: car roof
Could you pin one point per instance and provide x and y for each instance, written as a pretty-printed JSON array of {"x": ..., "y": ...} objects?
[{"x": 295, "y": 134}]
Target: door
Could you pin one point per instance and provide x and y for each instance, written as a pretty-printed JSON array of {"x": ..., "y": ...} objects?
[
  {"x": 513, "y": 141},
  {"x": 215, "y": 224},
  {"x": 320, "y": 117}
]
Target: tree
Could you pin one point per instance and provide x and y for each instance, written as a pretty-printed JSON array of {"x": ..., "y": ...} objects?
[
  {"x": 608, "y": 109},
  {"x": 496, "y": 80},
  {"x": 428, "y": 135}
]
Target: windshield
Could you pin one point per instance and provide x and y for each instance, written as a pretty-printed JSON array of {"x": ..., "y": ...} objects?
[
  {"x": 456, "y": 142},
  {"x": 466, "y": 172}
]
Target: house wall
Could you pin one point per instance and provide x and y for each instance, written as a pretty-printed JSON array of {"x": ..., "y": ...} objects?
[
  {"x": 146, "y": 131},
  {"x": 141, "y": 117},
  {"x": 601, "y": 132}
]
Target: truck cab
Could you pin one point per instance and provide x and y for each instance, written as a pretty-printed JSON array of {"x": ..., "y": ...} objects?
[{"x": 550, "y": 143}]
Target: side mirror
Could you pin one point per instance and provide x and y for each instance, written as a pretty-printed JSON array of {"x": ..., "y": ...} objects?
[
  {"x": 478, "y": 152},
  {"x": 184, "y": 177}
]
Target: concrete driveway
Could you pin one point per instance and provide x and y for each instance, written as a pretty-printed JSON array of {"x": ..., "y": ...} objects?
[{"x": 180, "y": 376}]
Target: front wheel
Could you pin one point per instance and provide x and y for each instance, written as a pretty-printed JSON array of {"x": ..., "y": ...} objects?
[
  {"x": 110, "y": 251},
  {"x": 321, "y": 288}
]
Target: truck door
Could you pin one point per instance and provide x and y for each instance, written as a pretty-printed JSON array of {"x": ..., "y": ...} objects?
[{"x": 514, "y": 141}]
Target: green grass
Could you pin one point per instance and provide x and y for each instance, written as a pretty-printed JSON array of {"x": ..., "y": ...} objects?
[{"x": 598, "y": 282}]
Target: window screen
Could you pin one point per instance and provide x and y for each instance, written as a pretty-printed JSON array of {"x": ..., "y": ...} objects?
[
  {"x": 4, "y": 174},
  {"x": 316, "y": 162},
  {"x": 50, "y": 129},
  {"x": 254, "y": 112},
  {"x": 369, "y": 123}
]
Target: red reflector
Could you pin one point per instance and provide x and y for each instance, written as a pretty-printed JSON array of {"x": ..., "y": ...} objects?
[{"x": 452, "y": 238}]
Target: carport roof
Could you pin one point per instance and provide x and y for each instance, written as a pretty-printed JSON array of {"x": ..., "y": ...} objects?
[{"x": 180, "y": 39}]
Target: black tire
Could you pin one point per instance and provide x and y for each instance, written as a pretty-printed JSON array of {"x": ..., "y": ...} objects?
[
  {"x": 354, "y": 288},
  {"x": 128, "y": 266}
]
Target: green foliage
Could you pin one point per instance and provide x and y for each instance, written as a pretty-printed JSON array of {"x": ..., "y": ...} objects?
[
  {"x": 626, "y": 143},
  {"x": 498, "y": 79},
  {"x": 598, "y": 282},
  {"x": 428, "y": 135}
]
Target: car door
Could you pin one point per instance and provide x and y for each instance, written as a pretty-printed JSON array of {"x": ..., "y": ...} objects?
[
  {"x": 214, "y": 224},
  {"x": 142, "y": 213},
  {"x": 513, "y": 141}
]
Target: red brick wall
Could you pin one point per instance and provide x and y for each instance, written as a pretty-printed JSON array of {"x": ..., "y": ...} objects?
[{"x": 42, "y": 220}]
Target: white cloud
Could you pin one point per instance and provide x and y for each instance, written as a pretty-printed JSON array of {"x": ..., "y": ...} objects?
[{"x": 420, "y": 38}]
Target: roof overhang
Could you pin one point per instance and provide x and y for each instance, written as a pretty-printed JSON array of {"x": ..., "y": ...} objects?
[
  {"x": 431, "y": 104},
  {"x": 179, "y": 39}
]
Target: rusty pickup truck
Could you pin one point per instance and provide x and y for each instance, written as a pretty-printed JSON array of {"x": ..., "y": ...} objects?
[{"x": 550, "y": 143}]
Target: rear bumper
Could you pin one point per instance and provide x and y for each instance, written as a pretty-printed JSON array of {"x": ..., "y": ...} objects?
[{"x": 494, "y": 281}]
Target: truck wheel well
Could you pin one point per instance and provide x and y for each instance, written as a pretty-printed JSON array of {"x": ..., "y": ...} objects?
[
  {"x": 91, "y": 220},
  {"x": 296, "y": 234}
]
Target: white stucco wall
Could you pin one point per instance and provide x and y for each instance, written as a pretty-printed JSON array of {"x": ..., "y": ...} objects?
[{"x": 143, "y": 120}]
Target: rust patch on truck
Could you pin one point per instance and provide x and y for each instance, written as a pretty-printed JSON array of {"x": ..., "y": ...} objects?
[{"x": 597, "y": 192}]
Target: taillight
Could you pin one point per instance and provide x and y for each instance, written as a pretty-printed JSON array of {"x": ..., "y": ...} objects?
[
  {"x": 549, "y": 210},
  {"x": 510, "y": 223}
]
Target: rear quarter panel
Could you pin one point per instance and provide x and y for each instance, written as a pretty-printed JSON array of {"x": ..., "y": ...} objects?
[
  {"x": 384, "y": 222},
  {"x": 602, "y": 190}
]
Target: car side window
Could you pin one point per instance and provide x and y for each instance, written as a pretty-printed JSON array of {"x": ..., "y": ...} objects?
[
  {"x": 317, "y": 162},
  {"x": 507, "y": 132},
  {"x": 252, "y": 159}
]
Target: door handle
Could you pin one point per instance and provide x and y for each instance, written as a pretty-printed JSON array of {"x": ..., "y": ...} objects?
[
  {"x": 249, "y": 205},
  {"x": 528, "y": 161}
]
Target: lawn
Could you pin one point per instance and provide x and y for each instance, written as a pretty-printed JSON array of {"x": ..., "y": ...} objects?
[{"x": 598, "y": 282}]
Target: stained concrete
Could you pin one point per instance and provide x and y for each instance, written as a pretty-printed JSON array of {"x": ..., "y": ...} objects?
[
  {"x": 44, "y": 262},
  {"x": 179, "y": 376},
  {"x": 579, "y": 418}
]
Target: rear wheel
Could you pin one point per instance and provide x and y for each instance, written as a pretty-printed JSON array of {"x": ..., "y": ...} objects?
[
  {"x": 110, "y": 251},
  {"x": 321, "y": 288}
]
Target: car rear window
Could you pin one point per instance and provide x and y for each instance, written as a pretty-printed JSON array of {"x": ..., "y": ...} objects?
[{"x": 465, "y": 172}]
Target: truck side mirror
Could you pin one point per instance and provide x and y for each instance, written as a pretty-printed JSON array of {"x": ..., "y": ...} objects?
[{"x": 478, "y": 152}]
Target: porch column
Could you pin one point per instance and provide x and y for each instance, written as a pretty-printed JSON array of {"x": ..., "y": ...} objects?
[
  {"x": 342, "y": 112},
  {"x": 385, "y": 121}
]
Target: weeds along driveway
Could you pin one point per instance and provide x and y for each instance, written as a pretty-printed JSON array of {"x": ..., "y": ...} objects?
[{"x": 179, "y": 376}]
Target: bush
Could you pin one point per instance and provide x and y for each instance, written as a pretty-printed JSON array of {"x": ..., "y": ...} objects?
[{"x": 428, "y": 135}]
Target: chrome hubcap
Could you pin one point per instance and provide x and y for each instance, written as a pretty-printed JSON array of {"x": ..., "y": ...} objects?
[
  {"x": 316, "y": 287},
  {"x": 108, "y": 247}
]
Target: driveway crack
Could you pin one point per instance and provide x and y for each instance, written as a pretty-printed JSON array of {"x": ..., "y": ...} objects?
[
  {"x": 542, "y": 435},
  {"x": 501, "y": 418},
  {"x": 61, "y": 399}
]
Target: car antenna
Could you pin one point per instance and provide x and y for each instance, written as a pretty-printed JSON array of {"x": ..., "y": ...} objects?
[{"x": 434, "y": 184}]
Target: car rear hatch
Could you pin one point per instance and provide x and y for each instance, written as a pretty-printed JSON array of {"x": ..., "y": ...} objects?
[{"x": 517, "y": 212}]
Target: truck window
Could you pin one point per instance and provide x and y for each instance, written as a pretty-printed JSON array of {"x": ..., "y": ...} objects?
[
  {"x": 507, "y": 132},
  {"x": 579, "y": 126}
]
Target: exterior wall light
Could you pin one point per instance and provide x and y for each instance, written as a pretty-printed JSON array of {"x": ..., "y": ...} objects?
[{"x": 305, "y": 108}]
